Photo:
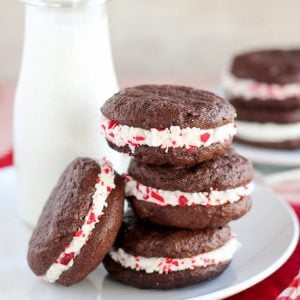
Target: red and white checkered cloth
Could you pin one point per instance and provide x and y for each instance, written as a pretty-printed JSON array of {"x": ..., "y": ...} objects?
[
  {"x": 292, "y": 292},
  {"x": 284, "y": 284},
  {"x": 6, "y": 159},
  {"x": 291, "y": 190}
]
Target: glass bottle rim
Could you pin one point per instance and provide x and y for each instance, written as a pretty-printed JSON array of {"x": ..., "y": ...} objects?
[{"x": 64, "y": 3}]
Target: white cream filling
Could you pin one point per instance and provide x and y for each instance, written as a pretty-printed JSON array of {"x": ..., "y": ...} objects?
[
  {"x": 249, "y": 89},
  {"x": 268, "y": 132},
  {"x": 104, "y": 185},
  {"x": 166, "y": 264},
  {"x": 178, "y": 198},
  {"x": 173, "y": 137}
]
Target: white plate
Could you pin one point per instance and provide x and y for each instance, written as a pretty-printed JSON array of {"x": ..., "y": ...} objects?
[
  {"x": 268, "y": 234},
  {"x": 288, "y": 158},
  {"x": 277, "y": 178}
]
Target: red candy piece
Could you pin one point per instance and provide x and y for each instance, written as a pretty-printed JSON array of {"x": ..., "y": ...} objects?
[
  {"x": 66, "y": 258},
  {"x": 109, "y": 189},
  {"x": 204, "y": 137},
  {"x": 106, "y": 170},
  {"x": 140, "y": 138},
  {"x": 157, "y": 196},
  {"x": 183, "y": 201},
  {"x": 92, "y": 218},
  {"x": 132, "y": 143},
  {"x": 78, "y": 233},
  {"x": 172, "y": 262},
  {"x": 175, "y": 263},
  {"x": 192, "y": 148},
  {"x": 112, "y": 124}
]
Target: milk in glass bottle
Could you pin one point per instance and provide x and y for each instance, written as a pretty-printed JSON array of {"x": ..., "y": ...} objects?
[{"x": 66, "y": 75}]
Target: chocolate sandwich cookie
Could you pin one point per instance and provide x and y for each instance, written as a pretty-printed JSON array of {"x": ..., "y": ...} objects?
[
  {"x": 209, "y": 194},
  {"x": 264, "y": 87},
  {"x": 79, "y": 222},
  {"x": 151, "y": 257},
  {"x": 164, "y": 124}
]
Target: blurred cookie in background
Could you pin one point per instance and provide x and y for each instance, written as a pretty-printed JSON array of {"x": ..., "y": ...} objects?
[{"x": 264, "y": 87}]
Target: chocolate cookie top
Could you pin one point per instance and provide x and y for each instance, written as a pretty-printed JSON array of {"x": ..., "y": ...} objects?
[
  {"x": 228, "y": 171},
  {"x": 87, "y": 199},
  {"x": 64, "y": 212},
  {"x": 162, "y": 106},
  {"x": 149, "y": 240},
  {"x": 269, "y": 66}
]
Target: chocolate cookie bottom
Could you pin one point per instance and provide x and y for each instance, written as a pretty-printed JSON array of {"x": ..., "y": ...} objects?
[
  {"x": 190, "y": 217},
  {"x": 174, "y": 156},
  {"x": 286, "y": 145},
  {"x": 266, "y": 115},
  {"x": 175, "y": 279}
]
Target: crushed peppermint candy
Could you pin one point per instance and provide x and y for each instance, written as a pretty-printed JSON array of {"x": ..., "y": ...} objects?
[
  {"x": 166, "y": 138},
  {"x": 177, "y": 198},
  {"x": 104, "y": 184},
  {"x": 166, "y": 264},
  {"x": 250, "y": 89}
]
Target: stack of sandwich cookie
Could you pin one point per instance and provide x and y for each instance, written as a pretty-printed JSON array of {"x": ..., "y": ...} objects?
[
  {"x": 264, "y": 87},
  {"x": 79, "y": 222},
  {"x": 184, "y": 184}
]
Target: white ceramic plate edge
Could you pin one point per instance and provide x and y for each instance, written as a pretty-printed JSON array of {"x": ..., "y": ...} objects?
[
  {"x": 283, "y": 176},
  {"x": 232, "y": 290},
  {"x": 272, "y": 157}
]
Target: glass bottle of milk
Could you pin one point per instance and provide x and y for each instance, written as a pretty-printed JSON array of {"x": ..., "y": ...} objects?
[{"x": 66, "y": 75}]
